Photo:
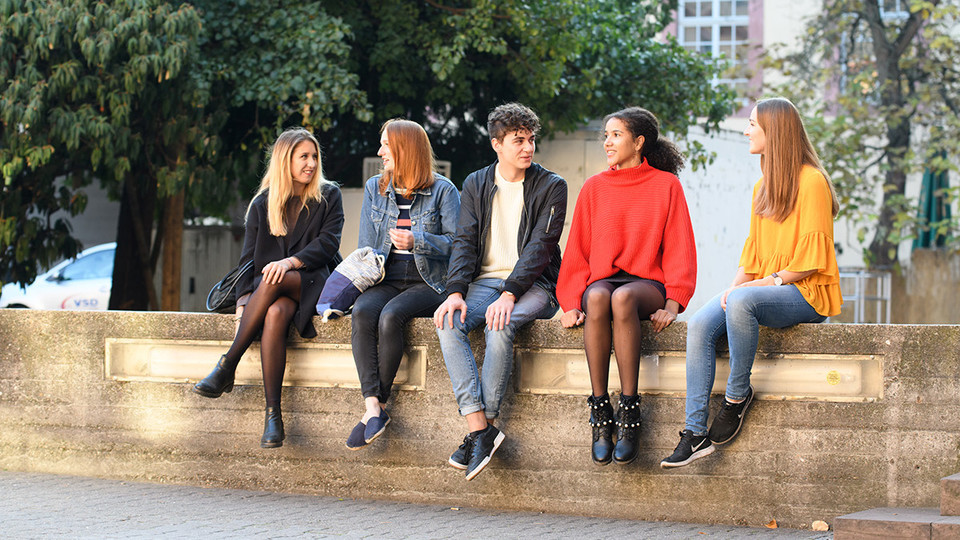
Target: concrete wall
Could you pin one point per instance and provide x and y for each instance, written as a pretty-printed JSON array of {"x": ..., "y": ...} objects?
[
  {"x": 926, "y": 290},
  {"x": 802, "y": 455}
]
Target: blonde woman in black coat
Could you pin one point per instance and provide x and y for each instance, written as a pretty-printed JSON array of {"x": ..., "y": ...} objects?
[{"x": 292, "y": 235}]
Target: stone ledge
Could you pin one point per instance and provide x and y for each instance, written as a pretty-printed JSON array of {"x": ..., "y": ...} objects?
[{"x": 60, "y": 412}]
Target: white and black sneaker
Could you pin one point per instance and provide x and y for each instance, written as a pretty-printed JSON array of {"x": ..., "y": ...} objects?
[
  {"x": 485, "y": 443},
  {"x": 460, "y": 457},
  {"x": 690, "y": 449},
  {"x": 729, "y": 420}
]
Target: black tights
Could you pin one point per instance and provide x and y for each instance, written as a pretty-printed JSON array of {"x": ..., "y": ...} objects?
[
  {"x": 268, "y": 313},
  {"x": 614, "y": 310}
]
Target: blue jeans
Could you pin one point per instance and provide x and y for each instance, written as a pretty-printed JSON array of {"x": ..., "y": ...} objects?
[
  {"x": 747, "y": 309},
  {"x": 476, "y": 392}
]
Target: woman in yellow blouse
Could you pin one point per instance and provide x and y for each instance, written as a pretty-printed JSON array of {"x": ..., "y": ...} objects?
[{"x": 788, "y": 275}]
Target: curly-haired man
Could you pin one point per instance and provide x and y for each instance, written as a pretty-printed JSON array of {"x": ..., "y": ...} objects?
[{"x": 502, "y": 274}]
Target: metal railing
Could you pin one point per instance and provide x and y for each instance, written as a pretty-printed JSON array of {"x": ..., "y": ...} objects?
[{"x": 862, "y": 287}]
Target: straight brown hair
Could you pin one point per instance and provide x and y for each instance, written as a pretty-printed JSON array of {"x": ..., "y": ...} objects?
[
  {"x": 786, "y": 150},
  {"x": 413, "y": 161}
]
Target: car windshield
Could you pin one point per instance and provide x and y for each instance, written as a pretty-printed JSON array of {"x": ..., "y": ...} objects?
[{"x": 93, "y": 266}]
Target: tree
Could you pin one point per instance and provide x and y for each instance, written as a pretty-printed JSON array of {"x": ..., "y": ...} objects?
[
  {"x": 95, "y": 89},
  {"x": 891, "y": 82},
  {"x": 445, "y": 64}
]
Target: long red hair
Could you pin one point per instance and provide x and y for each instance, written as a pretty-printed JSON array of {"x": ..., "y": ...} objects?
[{"x": 413, "y": 161}]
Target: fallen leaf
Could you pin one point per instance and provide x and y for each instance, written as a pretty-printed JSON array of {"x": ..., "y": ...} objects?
[
  {"x": 772, "y": 524},
  {"x": 820, "y": 526},
  {"x": 454, "y": 508}
]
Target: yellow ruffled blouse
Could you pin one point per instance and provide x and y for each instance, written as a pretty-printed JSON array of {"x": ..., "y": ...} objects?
[{"x": 804, "y": 241}]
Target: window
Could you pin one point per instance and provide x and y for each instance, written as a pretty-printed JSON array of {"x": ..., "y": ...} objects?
[
  {"x": 894, "y": 9},
  {"x": 719, "y": 29},
  {"x": 93, "y": 266}
]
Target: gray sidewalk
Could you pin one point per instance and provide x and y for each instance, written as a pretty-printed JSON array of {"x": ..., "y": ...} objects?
[{"x": 50, "y": 506}]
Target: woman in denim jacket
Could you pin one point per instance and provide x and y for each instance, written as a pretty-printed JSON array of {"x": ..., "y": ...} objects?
[{"x": 409, "y": 214}]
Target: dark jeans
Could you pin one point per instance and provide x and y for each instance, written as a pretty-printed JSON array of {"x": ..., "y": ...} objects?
[{"x": 378, "y": 318}]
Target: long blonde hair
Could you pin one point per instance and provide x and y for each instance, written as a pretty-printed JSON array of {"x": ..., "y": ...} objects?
[
  {"x": 413, "y": 161},
  {"x": 278, "y": 180},
  {"x": 786, "y": 150}
]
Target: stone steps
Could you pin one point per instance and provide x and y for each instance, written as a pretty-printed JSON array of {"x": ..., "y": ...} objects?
[
  {"x": 906, "y": 523},
  {"x": 950, "y": 495}
]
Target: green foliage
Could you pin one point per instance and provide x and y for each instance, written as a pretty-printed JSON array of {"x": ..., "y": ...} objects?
[
  {"x": 89, "y": 89},
  {"x": 446, "y": 64},
  {"x": 892, "y": 108},
  {"x": 265, "y": 66}
]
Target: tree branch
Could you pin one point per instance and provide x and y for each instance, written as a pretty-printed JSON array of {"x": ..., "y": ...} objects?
[
  {"x": 880, "y": 158},
  {"x": 948, "y": 100},
  {"x": 909, "y": 31}
]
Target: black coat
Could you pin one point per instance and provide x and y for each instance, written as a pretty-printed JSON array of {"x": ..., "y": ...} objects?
[
  {"x": 544, "y": 211},
  {"x": 315, "y": 240}
]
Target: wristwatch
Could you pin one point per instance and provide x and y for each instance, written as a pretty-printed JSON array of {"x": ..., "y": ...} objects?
[{"x": 777, "y": 280}]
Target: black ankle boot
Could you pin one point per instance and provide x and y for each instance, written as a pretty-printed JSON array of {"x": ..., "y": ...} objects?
[
  {"x": 601, "y": 418},
  {"x": 272, "y": 429},
  {"x": 219, "y": 380},
  {"x": 628, "y": 428}
]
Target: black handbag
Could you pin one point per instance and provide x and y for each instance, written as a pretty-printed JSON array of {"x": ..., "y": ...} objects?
[{"x": 222, "y": 297}]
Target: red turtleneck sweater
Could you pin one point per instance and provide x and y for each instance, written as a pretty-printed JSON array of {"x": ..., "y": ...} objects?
[{"x": 634, "y": 220}]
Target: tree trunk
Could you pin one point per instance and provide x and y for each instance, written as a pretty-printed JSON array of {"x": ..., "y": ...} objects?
[
  {"x": 882, "y": 252},
  {"x": 132, "y": 287},
  {"x": 172, "y": 252}
]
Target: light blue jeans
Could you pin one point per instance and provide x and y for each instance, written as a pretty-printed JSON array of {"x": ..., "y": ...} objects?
[
  {"x": 476, "y": 392},
  {"x": 747, "y": 309}
]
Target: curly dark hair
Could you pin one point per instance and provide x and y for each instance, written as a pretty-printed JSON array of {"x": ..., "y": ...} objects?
[
  {"x": 511, "y": 117},
  {"x": 660, "y": 152}
]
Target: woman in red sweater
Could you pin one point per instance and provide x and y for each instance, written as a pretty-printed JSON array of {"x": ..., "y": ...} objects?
[{"x": 630, "y": 256}]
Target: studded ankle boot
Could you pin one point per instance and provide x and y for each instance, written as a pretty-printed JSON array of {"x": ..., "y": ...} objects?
[
  {"x": 601, "y": 418},
  {"x": 219, "y": 380},
  {"x": 628, "y": 428}
]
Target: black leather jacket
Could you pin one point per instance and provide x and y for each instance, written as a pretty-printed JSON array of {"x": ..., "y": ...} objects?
[{"x": 544, "y": 212}]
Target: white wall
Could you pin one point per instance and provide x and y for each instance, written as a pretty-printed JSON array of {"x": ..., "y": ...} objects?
[{"x": 98, "y": 222}]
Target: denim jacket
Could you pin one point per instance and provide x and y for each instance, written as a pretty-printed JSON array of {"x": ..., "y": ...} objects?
[{"x": 433, "y": 222}]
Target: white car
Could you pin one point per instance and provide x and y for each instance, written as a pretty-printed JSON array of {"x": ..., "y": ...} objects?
[{"x": 80, "y": 283}]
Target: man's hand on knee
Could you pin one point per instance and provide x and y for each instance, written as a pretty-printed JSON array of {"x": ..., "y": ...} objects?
[
  {"x": 453, "y": 303},
  {"x": 498, "y": 313}
]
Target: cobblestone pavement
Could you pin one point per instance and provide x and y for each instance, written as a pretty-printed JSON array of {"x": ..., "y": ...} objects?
[{"x": 50, "y": 506}]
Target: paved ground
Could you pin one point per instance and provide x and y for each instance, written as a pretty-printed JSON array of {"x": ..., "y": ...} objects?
[{"x": 50, "y": 506}]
